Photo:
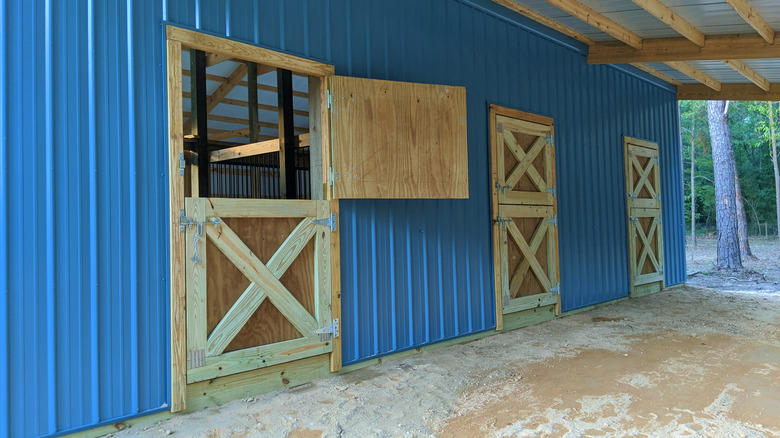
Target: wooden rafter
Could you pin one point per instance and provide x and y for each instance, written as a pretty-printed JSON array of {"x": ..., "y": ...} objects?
[
  {"x": 716, "y": 48},
  {"x": 689, "y": 70},
  {"x": 754, "y": 19},
  {"x": 236, "y": 102},
  {"x": 522, "y": 10},
  {"x": 656, "y": 73},
  {"x": 671, "y": 19},
  {"x": 749, "y": 73},
  {"x": 252, "y": 149},
  {"x": 245, "y": 122},
  {"x": 214, "y": 99},
  {"x": 598, "y": 21}
]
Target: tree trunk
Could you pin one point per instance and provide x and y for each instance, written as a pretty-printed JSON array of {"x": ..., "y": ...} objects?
[
  {"x": 693, "y": 180},
  {"x": 774, "y": 163},
  {"x": 744, "y": 243},
  {"x": 725, "y": 190}
]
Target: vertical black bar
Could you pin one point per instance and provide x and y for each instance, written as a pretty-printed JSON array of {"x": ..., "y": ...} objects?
[
  {"x": 287, "y": 140},
  {"x": 200, "y": 117},
  {"x": 251, "y": 79}
]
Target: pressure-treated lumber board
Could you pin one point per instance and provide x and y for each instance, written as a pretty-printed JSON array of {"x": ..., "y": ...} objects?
[
  {"x": 754, "y": 19},
  {"x": 246, "y": 150},
  {"x": 235, "y": 386},
  {"x": 598, "y": 21},
  {"x": 259, "y": 357},
  {"x": 243, "y": 103},
  {"x": 247, "y": 52},
  {"x": 748, "y": 73},
  {"x": 749, "y": 92},
  {"x": 496, "y": 144},
  {"x": 335, "y": 285},
  {"x": 322, "y": 236},
  {"x": 671, "y": 19},
  {"x": 539, "y": 18},
  {"x": 177, "y": 239},
  {"x": 265, "y": 208},
  {"x": 398, "y": 140},
  {"x": 196, "y": 265},
  {"x": 716, "y": 47},
  {"x": 694, "y": 73},
  {"x": 662, "y": 76}
]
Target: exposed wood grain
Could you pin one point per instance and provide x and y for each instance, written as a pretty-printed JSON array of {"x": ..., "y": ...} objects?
[
  {"x": 598, "y": 21},
  {"x": 748, "y": 73},
  {"x": 716, "y": 47},
  {"x": 694, "y": 73},
  {"x": 335, "y": 286},
  {"x": 662, "y": 76},
  {"x": 754, "y": 19},
  {"x": 222, "y": 46},
  {"x": 496, "y": 144},
  {"x": 668, "y": 16},
  {"x": 539, "y": 18},
  {"x": 263, "y": 208},
  {"x": 748, "y": 92},
  {"x": 315, "y": 137},
  {"x": 196, "y": 208},
  {"x": 221, "y": 92},
  {"x": 177, "y": 239},
  {"x": 243, "y": 103},
  {"x": 398, "y": 140}
]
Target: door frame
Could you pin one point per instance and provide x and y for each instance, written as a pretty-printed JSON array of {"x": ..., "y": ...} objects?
[
  {"x": 177, "y": 39},
  {"x": 494, "y": 111}
]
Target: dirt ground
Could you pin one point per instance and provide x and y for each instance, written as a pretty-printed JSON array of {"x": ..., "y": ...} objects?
[{"x": 688, "y": 361}]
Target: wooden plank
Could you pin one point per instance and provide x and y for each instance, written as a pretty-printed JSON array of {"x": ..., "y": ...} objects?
[
  {"x": 322, "y": 280},
  {"x": 196, "y": 266},
  {"x": 496, "y": 145},
  {"x": 335, "y": 286},
  {"x": 525, "y": 318},
  {"x": 235, "y": 386},
  {"x": 525, "y": 160},
  {"x": 700, "y": 76},
  {"x": 754, "y": 19},
  {"x": 398, "y": 140},
  {"x": 716, "y": 48},
  {"x": 662, "y": 76},
  {"x": 260, "y": 106},
  {"x": 646, "y": 289},
  {"x": 531, "y": 128},
  {"x": 517, "y": 236},
  {"x": 247, "y": 150},
  {"x": 529, "y": 302},
  {"x": 189, "y": 38},
  {"x": 315, "y": 139},
  {"x": 258, "y": 357},
  {"x": 322, "y": 130},
  {"x": 745, "y": 92},
  {"x": 177, "y": 239},
  {"x": 222, "y": 91},
  {"x": 267, "y": 208},
  {"x": 243, "y": 258},
  {"x": 671, "y": 19},
  {"x": 748, "y": 73},
  {"x": 598, "y": 21},
  {"x": 539, "y": 18},
  {"x": 214, "y": 59},
  {"x": 517, "y": 211},
  {"x": 250, "y": 300},
  {"x": 554, "y": 267},
  {"x": 503, "y": 249},
  {"x": 522, "y": 115},
  {"x": 522, "y": 269}
]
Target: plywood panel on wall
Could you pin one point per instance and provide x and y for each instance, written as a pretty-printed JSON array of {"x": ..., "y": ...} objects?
[{"x": 398, "y": 139}]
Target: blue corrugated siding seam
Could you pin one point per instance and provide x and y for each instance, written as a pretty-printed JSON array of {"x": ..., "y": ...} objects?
[{"x": 4, "y": 286}]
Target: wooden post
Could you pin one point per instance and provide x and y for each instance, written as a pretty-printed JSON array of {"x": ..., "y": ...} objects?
[
  {"x": 251, "y": 80},
  {"x": 198, "y": 99},
  {"x": 287, "y": 140}
]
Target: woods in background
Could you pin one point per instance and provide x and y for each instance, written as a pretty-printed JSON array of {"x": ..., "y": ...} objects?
[{"x": 736, "y": 179}]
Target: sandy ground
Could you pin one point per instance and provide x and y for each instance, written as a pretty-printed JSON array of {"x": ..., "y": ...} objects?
[{"x": 688, "y": 361}]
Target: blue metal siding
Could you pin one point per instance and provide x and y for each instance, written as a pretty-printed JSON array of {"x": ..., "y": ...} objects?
[{"x": 83, "y": 184}]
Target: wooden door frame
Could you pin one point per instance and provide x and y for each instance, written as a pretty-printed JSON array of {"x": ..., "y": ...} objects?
[
  {"x": 494, "y": 111},
  {"x": 177, "y": 39}
]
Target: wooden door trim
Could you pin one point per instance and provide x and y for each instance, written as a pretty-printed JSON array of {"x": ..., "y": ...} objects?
[{"x": 177, "y": 39}]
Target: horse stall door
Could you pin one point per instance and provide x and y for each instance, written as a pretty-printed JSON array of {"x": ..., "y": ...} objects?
[
  {"x": 645, "y": 232},
  {"x": 258, "y": 284}
]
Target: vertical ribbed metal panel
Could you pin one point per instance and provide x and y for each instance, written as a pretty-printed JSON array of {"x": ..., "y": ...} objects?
[
  {"x": 83, "y": 195},
  {"x": 83, "y": 184}
]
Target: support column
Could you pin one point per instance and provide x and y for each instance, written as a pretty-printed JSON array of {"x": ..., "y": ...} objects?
[{"x": 199, "y": 117}]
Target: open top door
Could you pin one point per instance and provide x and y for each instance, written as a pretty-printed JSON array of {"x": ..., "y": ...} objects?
[{"x": 397, "y": 139}]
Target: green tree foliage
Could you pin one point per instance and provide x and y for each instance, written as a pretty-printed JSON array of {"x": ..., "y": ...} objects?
[{"x": 749, "y": 127}]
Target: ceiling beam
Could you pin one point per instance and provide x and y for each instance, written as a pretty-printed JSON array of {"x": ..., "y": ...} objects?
[
  {"x": 749, "y": 73},
  {"x": 689, "y": 70},
  {"x": 716, "y": 48},
  {"x": 656, "y": 73},
  {"x": 754, "y": 19},
  {"x": 541, "y": 19},
  {"x": 671, "y": 19},
  {"x": 748, "y": 92},
  {"x": 598, "y": 21}
]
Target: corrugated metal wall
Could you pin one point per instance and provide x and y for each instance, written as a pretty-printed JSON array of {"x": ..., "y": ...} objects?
[{"x": 83, "y": 184}]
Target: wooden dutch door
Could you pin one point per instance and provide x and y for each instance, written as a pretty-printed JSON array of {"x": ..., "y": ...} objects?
[
  {"x": 258, "y": 283},
  {"x": 645, "y": 234},
  {"x": 524, "y": 210}
]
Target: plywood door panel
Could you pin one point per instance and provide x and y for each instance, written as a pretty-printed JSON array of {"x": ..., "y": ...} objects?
[
  {"x": 643, "y": 201},
  {"x": 525, "y": 210},
  {"x": 266, "y": 284},
  {"x": 398, "y": 139}
]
